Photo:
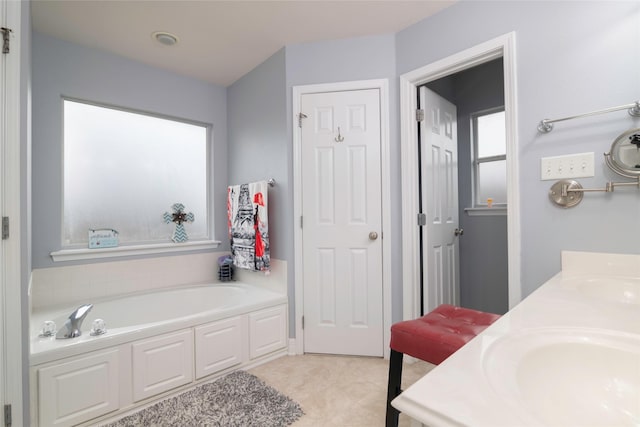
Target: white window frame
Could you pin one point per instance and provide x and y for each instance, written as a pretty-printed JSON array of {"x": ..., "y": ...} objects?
[
  {"x": 476, "y": 160},
  {"x": 70, "y": 253}
]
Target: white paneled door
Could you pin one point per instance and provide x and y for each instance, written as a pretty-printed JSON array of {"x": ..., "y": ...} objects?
[
  {"x": 439, "y": 172},
  {"x": 342, "y": 223}
]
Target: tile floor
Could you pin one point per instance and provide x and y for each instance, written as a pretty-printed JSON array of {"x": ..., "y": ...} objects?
[{"x": 343, "y": 391}]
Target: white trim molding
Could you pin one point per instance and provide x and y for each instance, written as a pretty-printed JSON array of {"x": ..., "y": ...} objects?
[
  {"x": 298, "y": 91},
  {"x": 293, "y": 347},
  {"x": 121, "y": 251},
  {"x": 11, "y": 282},
  {"x": 502, "y": 46},
  {"x": 497, "y": 211}
]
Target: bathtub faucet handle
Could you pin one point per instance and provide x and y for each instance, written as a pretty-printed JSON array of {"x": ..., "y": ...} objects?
[
  {"x": 71, "y": 328},
  {"x": 98, "y": 328}
]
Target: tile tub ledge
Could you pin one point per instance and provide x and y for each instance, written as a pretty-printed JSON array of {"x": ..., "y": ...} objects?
[{"x": 122, "y": 251}]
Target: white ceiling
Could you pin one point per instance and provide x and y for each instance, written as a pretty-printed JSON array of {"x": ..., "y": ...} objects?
[{"x": 219, "y": 41}]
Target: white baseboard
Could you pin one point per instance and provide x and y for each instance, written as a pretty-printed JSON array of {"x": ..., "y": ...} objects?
[{"x": 292, "y": 347}]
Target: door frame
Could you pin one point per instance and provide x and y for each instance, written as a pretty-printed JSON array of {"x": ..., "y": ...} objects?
[
  {"x": 298, "y": 91},
  {"x": 502, "y": 46},
  {"x": 11, "y": 262}
]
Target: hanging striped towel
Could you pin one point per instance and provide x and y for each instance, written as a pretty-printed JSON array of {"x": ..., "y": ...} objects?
[{"x": 248, "y": 223}]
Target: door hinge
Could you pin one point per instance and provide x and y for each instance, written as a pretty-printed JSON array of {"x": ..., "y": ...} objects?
[
  {"x": 419, "y": 115},
  {"x": 300, "y": 117},
  {"x": 6, "y": 33},
  {"x": 7, "y": 415},
  {"x": 422, "y": 219},
  {"x": 300, "y": 221},
  {"x": 5, "y": 227},
  {"x": 302, "y": 322}
]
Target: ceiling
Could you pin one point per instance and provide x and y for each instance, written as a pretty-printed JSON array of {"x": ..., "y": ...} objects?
[{"x": 219, "y": 41}]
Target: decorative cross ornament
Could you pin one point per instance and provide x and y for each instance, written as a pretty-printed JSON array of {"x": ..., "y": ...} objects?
[{"x": 179, "y": 217}]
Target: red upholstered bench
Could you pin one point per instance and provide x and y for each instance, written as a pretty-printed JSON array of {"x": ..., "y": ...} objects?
[{"x": 432, "y": 338}]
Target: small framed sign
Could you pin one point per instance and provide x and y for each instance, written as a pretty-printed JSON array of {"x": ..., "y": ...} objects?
[{"x": 103, "y": 238}]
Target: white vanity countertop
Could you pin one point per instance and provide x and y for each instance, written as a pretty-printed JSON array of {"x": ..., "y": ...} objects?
[{"x": 594, "y": 296}]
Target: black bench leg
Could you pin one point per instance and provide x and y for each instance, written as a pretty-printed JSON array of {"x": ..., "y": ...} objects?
[{"x": 393, "y": 389}]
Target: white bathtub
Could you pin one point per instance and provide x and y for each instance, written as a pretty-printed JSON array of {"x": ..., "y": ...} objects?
[
  {"x": 157, "y": 344},
  {"x": 137, "y": 316}
]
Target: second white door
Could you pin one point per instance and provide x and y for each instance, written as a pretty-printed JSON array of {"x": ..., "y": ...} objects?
[
  {"x": 342, "y": 223},
  {"x": 439, "y": 171}
]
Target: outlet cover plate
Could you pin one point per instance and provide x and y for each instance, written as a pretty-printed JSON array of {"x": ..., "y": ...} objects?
[{"x": 579, "y": 165}]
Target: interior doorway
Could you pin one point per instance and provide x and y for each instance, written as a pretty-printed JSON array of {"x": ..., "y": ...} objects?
[
  {"x": 478, "y": 230},
  {"x": 500, "y": 47}
]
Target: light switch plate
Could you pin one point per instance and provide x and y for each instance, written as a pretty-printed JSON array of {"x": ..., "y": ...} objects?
[{"x": 570, "y": 166}]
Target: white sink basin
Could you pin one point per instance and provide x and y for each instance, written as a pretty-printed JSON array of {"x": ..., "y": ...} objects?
[
  {"x": 568, "y": 376},
  {"x": 615, "y": 289}
]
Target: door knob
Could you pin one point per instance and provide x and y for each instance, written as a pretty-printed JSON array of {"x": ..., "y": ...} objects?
[
  {"x": 373, "y": 235},
  {"x": 458, "y": 231}
]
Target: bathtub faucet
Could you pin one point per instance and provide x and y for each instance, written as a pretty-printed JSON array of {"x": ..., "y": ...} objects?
[{"x": 71, "y": 328}]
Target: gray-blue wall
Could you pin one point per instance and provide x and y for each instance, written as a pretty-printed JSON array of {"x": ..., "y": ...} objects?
[
  {"x": 572, "y": 57},
  {"x": 62, "y": 68},
  {"x": 484, "y": 273},
  {"x": 258, "y": 150},
  {"x": 258, "y": 142}
]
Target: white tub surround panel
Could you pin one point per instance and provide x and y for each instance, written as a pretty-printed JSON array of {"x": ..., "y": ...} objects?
[
  {"x": 220, "y": 345},
  {"x": 162, "y": 363},
  {"x": 566, "y": 355},
  {"x": 63, "y": 285},
  {"x": 82, "y": 283},
  {"x": 267, "y": 327},
  {"x": 56, "y": 382},
  {"x": 274, "y": 280}
]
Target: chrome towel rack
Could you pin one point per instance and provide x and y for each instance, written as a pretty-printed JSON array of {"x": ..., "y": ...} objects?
[{"x": 546, "y": 125}]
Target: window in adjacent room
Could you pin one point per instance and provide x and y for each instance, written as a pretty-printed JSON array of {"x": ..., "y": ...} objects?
[
  {"x": 123, "y": 169},
  {"x": 489, "y": 158}
]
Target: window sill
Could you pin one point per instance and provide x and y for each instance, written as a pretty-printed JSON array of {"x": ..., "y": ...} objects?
[
  {"x": 122, "y": 251},
  {"x": 502, "y": 210}
]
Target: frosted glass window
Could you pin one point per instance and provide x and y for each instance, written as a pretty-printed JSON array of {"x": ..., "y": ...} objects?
[
  {"x": 123, "y": 170},
  {"x": 489, "y": 151},
  {"x": 491, "y": 181},
  {"x": 491, "y": 135}
]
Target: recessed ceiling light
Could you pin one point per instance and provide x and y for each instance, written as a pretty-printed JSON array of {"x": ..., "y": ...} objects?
[{"x": 165, "y": 38}]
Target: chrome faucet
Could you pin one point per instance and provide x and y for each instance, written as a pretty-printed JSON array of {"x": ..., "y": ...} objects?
[{"x": 71, "y": 328}]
